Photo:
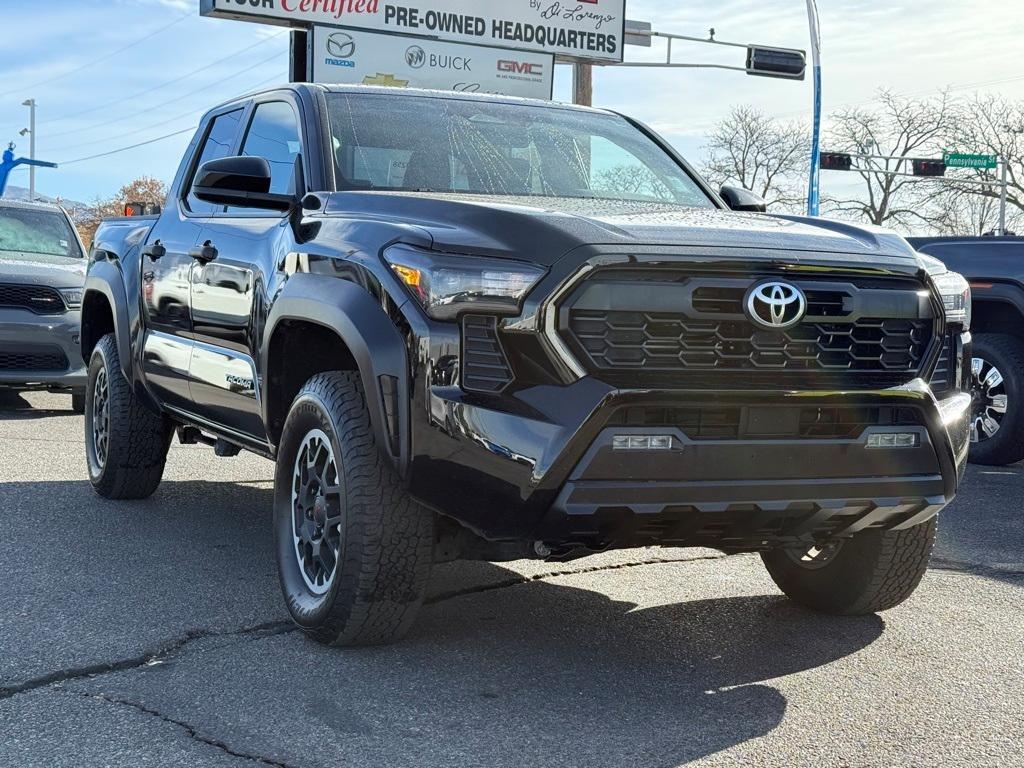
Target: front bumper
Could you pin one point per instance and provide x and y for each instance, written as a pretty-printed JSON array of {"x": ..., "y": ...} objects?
[
  {"x": 40, "y": 351},
  {"x": 539, "y": 465}
]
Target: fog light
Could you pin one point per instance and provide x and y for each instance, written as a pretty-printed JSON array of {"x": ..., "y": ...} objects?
[
  {"x": 893, "y": 440},
  {"x": 642, "y": 443}
]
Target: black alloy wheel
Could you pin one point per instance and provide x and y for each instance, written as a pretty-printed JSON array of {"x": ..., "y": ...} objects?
[{"x": 316, "y": 512}]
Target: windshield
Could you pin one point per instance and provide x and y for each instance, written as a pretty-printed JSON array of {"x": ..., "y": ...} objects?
[
  {"x": 410, "y": 143},
  {"x": 24, "y": 230}
]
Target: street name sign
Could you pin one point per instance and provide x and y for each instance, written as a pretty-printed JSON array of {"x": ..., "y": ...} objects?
[
  {"x": 371, "y": 58},
  {"x": 578, "y": 30},
  {"x": 961, "y": 160}
]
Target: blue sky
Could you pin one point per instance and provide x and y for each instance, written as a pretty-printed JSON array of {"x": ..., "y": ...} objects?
[{"x": 92, "y": 100}]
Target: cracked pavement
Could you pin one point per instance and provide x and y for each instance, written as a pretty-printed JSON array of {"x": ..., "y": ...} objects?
[{"x": 152, "y": 634}]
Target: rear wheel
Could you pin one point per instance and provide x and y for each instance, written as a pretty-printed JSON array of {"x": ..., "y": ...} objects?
[
  {"x": 997, "y": 414},
  {"x": 872, "y": 571},
  {"x": 353, "y": 550},
  {"x": 125, "y": 442}
]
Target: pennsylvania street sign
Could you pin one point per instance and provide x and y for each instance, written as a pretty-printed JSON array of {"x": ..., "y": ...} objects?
[
  {"x": 960, "y": 160},
  {"x": 586, "y": 30}
]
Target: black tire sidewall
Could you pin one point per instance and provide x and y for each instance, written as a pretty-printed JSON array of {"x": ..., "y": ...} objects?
[
  {"x": 100, "y": 360},
  {"x": 308, "y": 609},
  {"x": 1005, "y": 447}
]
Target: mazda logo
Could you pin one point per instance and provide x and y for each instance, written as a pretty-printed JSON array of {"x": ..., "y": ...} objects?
[
  {"x": 341, "y": 45},
  {"x": 415, "y": 56},
  {"x": 776, "y": 305}
]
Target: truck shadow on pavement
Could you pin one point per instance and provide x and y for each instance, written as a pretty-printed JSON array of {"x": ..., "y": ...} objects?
[
  {"x": 13, "y": 405},
  {"x": 566, "y": 671}
]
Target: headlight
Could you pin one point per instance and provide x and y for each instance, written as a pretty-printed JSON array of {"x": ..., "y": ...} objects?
[
  {"x": 73, "y": 296},
  {"x": 956, "y": 297},
  {"x": 447, "y": 285}
]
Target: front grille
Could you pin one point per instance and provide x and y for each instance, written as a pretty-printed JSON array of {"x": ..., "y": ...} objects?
[
  {"x": 768, "y": 422},
  {"x": 943, "y": 378},
  {"x": 870, "y": 334},
  {"x": 484, "y": 365},
  {"x": 673, "y": 342},
  {"x": 40, "y": 299},
  {"x": 24, "y": 358}
]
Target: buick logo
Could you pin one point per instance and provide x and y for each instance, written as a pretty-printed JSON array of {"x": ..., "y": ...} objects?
[
  {"x": 341, "y": 45},
  {"x": 775, "y": 305},
  {"x": 415, "y": 56}
]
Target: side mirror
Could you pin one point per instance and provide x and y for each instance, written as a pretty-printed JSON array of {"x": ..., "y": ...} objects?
[
  {"x": 239, "y": 181},
  {"x": 740, "y": 199}
]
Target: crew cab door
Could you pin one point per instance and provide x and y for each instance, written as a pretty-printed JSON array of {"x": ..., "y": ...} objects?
[
  {"x": 167, "y": 263},
  {"x": 230, "y": 292}
]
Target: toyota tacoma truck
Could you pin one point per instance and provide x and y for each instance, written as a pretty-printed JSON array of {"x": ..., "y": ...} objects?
[
  {"x": 486, "y": 328},
  {"x": 994, "y": 267}
]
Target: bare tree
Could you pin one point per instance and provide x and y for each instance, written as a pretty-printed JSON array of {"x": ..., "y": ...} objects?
[
  {"x": 635, "y": 180},
  {"x": 992, "y": 125},
  {"x": 759, "y": 153},
  {"x": 144, "y": 189},
  {"x": 901, "y": 129}
]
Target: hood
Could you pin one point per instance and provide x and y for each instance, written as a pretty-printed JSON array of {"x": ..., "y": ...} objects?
[
  {"x": 42, "y": 269},
  {"x": 544, "y": 229}
]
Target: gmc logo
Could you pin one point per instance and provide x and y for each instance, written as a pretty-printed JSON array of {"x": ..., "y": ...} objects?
[{"x": 520, "y": 67}]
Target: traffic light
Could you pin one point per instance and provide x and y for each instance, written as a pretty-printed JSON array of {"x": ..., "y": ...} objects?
[
  {"x": 836, "y": 161},
  {"x": 929, "y": 168},
  {"x": 776, "y": 62}
]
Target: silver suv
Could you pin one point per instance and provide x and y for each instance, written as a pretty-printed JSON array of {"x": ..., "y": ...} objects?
[{"x": 42, "y": 274}]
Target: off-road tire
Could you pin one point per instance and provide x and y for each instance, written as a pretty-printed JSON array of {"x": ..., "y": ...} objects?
[
  {"x": 386, "y": 543},
  {"x": 872, "y": 571},
  {"x": 1007, "y": 354},
  {"x": 137, "y": 438},
  {"x": 78, "y": 402}
]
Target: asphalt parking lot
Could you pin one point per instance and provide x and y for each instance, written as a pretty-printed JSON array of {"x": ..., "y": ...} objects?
[{"x": 152, "y": 634}]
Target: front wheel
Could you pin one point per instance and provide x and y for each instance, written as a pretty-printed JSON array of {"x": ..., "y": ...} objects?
[
  {"x": 125, "y": 443},
  {"x": 872, "y": 571},
  {"x": 353, "y": 549},
  {"x": 997, "y": 389}
]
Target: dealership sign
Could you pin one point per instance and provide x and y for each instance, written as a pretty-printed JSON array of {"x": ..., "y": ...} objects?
[
  {"x": 353, "y": 56},
  {"x": 574, "y": 29}
]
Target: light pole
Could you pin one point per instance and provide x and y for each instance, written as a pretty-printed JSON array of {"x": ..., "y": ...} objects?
[
  {"x": 813, "y": 188},
  {"x": 31, "y": 131}
]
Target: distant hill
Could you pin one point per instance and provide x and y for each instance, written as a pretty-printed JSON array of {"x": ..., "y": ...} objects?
[{"x": 21, "y": 193}]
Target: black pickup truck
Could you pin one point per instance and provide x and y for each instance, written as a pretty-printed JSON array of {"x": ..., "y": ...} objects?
[
  {"x": 994, "y": 266},
  {"x": 486, "y": 328}
]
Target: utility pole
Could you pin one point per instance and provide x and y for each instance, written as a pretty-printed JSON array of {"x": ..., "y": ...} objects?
[
  {"x": 583, "y": 84},
  {"x": 31, "y": 131},
  {"x": 1004, "y": 161}
]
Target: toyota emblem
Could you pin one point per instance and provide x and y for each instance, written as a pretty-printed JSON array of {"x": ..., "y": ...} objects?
[{"x": 776, "y": 306}]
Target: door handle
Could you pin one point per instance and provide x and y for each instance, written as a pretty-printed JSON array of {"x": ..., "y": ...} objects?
[
  {"x": 204, "y": 253},
  {"x": 155, "y": 251}
]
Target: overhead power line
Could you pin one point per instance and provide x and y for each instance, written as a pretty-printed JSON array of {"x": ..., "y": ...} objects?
[
  {"x": 151, "y": 89},
  {"x": 93, "y": 62},
  {"x": 125, "y": 149},
  {"x": 149, "y": 141},
  {"x": 163, "y": 104}
]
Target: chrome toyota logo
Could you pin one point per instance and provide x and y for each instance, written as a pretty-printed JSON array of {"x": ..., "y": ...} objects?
[
  {"x": 415, "y": 56},
  {"x": 775, "y": 305}
]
